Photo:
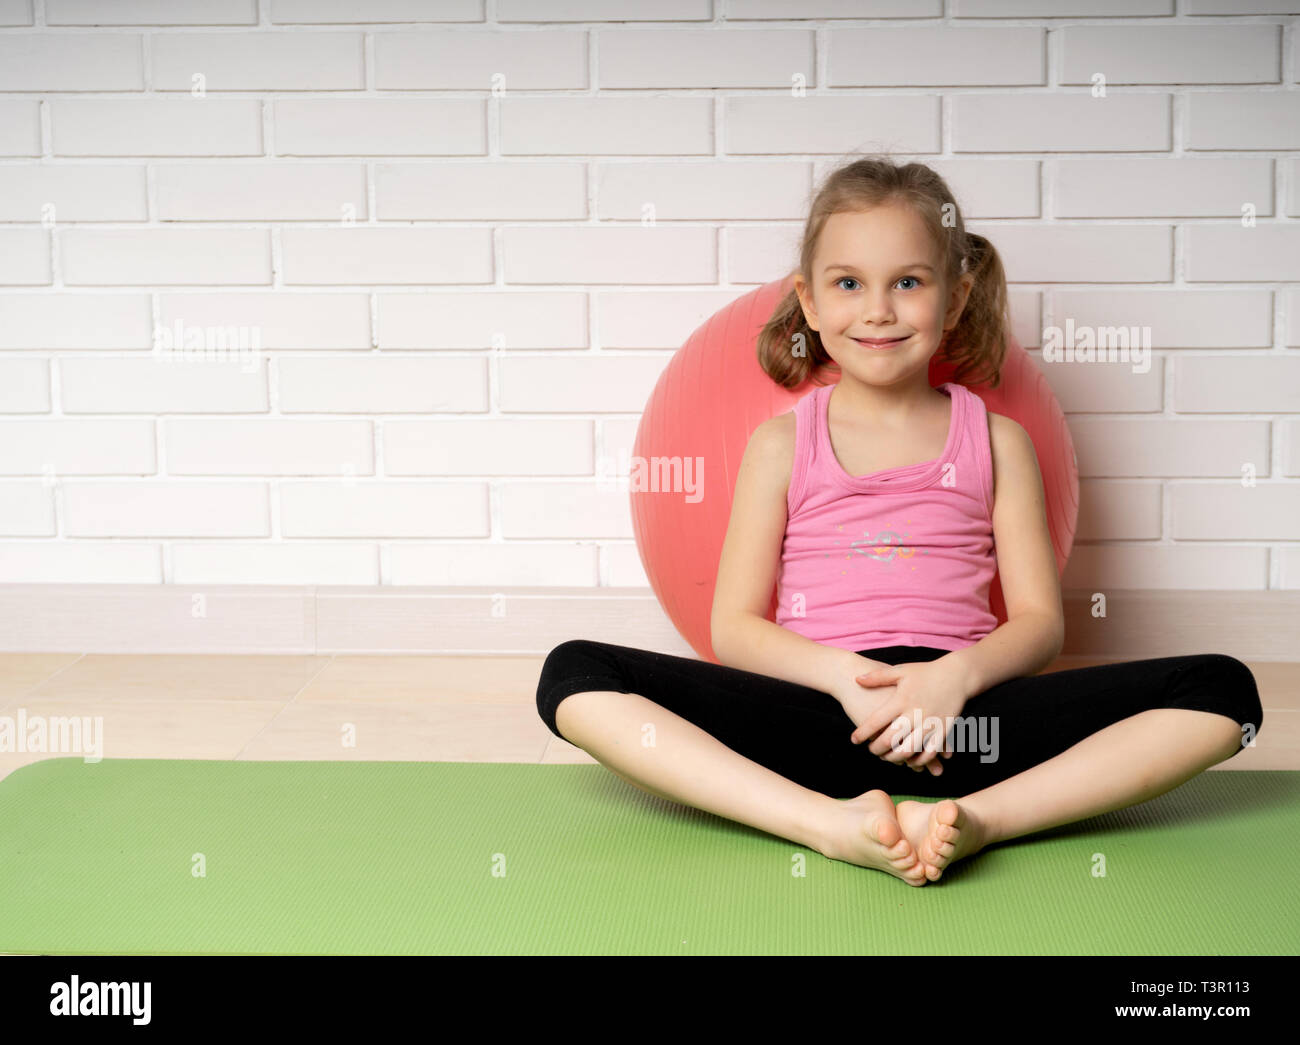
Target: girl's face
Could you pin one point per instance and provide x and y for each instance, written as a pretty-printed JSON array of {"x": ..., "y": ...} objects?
[{"x": 875, "y": 276}]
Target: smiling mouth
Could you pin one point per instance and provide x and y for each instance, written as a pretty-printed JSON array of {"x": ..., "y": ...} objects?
[{"x": 879, "y": 342}]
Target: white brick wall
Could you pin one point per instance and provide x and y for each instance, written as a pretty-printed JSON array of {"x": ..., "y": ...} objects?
[{"x": 421, "y": 225}]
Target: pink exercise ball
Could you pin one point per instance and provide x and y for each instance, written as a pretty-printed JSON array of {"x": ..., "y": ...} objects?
[{"x": 707, "y": 403}]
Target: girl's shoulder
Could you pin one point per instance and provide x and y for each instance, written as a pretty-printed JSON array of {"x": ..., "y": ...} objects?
[{"x": 774, "y": 441}]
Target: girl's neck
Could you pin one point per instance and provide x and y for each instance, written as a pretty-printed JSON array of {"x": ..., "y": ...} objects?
[{"x": 889, "y": 406}]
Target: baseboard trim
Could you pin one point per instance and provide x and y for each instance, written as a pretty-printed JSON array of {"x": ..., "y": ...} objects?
[{"x": 110, "y": 618}]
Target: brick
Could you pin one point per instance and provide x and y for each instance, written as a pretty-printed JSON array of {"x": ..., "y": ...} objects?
[
  {"x": 151, "y": 12},
  {"x": 1112, "y": 447},
  {"x": 1176, "y": 318},
  {"x": 25, "y": 386},
  {"x": 77, "y": 192},
  {"x": 28, "y": 512},
  {"x": 1060, "y": 8},
  {"x": 463, "y": 320},
  {"x": 581, "y": 383},
  {"x": 791, "y": 9},
  {"x": 387, "y": 255},
  {"x": 145, "y": 385},
  {"x": 1108, "y": 253},
  {"x": 1231, "y": 253},
  {"x": 488, "y": 446},
  {"x": 625, "y": 569},
  {"x": 377, "y": 509},
  {"x": 1111, "y": 568},
  {"x": 1291, "y": 447},
  {"x": 75, "y": 320},
  {"x": 1157, "y": 188},
  {"x": 314, "y": 562},
  {"x": 1233, "y": 512},
  {"x": 527, "y": 564},
  {"x": 481, "y": 191},
  {"x": 1246, "y": 119},
  {"x": 761, "y": 253},
  {"x": 379, "y": 384},
  {"x": 164, "y": 509},
  {"x": 282, "y": 319},
  {"x": 916, "y": 56},
  {"x": 16, "y": 12},
  {"x": 1116, "y": 511},
  {"x": 678, "y": 190},
  {"x": 25, "y": 257},
  {"x": 763, "y": 124},
  {"x": 655, "y": 318},
  {"x": 261, "y": 192},
  {"x": 62, "y": 446},
  {"x": 481, "y": 60},
  {"x": 1110, "y": 387},
  {"x": 250, "y": 446},
  {"x": 605, "y": 126},
  {"x": 335, "y": 11},
  {"x": 1242, "y": 384},
  {"x": 20, "y": 127},
  {"x": 156, "y": 126},
  {"x": 609, "y": 254},
  {"x": 380, "y": 126},
  {"x": 677, "y": 58},
  {"x": 80, "y": 562},
  {"x": 1054, "y": 122},
  {"x": 564, "y": 509},
  {"x": 1173, "y": 54},
  {"x": 43, "y": 61},
  {"x": 121, "y": 257},
  {"x": 547, "y": 11},
  {"x": 258, "y": 61}
]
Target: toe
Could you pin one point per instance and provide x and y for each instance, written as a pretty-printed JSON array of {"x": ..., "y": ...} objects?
[{"x": 886, "y": 831}]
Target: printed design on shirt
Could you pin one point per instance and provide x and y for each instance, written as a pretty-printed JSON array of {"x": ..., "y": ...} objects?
[{"x": 886, "y": 545}]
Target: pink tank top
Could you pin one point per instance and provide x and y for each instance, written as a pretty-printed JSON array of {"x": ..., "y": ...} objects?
[{"x": 900, "y": 557}]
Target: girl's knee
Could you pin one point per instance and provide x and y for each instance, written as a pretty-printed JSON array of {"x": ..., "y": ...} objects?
[
  {"x": 1232, "y": 686},
  {"x": 576, "y": 659}
]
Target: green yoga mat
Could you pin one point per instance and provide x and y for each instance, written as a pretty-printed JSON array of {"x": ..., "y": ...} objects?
[{"x": 499, "y": 858}]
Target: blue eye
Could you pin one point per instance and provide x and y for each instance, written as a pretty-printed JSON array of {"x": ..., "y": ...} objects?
[{"x": 852, "y": 280}]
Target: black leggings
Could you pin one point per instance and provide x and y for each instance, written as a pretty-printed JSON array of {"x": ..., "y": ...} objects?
[{"x": 803, "y": 734}]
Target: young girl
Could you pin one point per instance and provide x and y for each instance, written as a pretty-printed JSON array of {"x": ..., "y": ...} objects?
[{"x": 875, "y": 506}]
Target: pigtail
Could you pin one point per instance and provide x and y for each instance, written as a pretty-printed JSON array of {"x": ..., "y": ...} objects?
[
  {"x": 977, "y": 345},
  {"x": 789, "y": 350}
]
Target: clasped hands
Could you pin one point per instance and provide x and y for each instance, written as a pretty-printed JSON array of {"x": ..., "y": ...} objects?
[{"x": 895, "y": 708}]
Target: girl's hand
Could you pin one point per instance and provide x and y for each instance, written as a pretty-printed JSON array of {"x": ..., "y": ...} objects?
[
  {"x": 863, "y": 705},
  {"x": 911, "y": 721}
]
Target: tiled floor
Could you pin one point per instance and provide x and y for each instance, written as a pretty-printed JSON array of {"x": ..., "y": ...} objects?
[{"x": 370, "y": 708}]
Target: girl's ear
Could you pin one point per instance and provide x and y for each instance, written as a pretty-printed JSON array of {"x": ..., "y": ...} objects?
[
  {"x": 805, "y": 301},
  {"x": 957, "y": 302}
]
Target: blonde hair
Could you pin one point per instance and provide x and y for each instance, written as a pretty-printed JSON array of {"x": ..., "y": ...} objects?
[{"x": 976, "y": 344}]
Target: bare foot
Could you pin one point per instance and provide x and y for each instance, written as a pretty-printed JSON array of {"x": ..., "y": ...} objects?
[
  {"x": 941, "y": 833},
  {"x": 868, "y": 834}
]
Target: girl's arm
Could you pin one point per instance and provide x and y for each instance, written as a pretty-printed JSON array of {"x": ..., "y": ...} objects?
[
  {"x": 741, "y": 635},
  {"x": 1034, "y": 632}
]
